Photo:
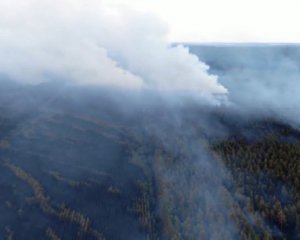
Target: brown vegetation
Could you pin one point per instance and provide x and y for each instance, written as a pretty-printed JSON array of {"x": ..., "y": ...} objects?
[{"x": 63, "y": 213}]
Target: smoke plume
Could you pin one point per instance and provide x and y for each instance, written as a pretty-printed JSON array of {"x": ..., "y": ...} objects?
[
  {"x": 92, "y": 43},
  {"x": 261, "y": 79}
]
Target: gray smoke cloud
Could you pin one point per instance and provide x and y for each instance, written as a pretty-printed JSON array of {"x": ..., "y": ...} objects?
[
  {"x": 93, "y": 43},
  {"x": 261, "y": 79}
]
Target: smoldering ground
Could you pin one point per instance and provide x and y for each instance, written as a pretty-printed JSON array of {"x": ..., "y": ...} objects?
[
  {"x": 67, "y": 135},
  {"x": 101, "y": 131},
  {"x": 99, "y": 104}
]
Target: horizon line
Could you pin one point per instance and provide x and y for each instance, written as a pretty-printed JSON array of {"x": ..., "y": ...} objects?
[{"x": 217, "y": 43}]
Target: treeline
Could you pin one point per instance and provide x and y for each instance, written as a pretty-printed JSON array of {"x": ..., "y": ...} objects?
[{"x": 266, "y": 176}]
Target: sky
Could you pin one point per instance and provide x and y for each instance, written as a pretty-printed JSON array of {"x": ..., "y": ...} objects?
[{"x": 275, "y": 21}]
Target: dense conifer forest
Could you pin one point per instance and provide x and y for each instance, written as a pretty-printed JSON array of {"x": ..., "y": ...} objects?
[{"x": 83, "y": 172}]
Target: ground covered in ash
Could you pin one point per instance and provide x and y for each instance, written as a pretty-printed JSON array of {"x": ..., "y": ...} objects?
[{"x": 79, "y": 168}]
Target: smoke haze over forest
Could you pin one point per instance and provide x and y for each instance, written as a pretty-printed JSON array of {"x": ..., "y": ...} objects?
[{"x": 108, "y": 131}]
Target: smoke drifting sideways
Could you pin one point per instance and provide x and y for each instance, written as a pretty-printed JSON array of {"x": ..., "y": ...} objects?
[
  {"x": 91, "y": 43},
  {"x": 263, "y": 80}
]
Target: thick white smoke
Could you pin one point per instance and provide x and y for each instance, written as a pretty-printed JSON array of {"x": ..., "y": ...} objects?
[{"x": 89, "y": 42}]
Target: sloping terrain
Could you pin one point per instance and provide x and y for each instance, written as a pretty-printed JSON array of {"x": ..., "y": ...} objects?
[
  {"x": 263, "y": 159},
  {"x": 68, "y": 175},
  {"x": 82, "y": 169}
]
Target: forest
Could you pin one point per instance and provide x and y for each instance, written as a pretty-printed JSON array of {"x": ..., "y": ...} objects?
[{"x": 86, "y": 170}]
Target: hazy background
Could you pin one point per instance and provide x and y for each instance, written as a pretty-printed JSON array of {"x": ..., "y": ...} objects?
[{"x": 225, "y": 21}]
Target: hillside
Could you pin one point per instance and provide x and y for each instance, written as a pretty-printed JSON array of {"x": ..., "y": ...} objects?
[{"x": 85, "y": 170}]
